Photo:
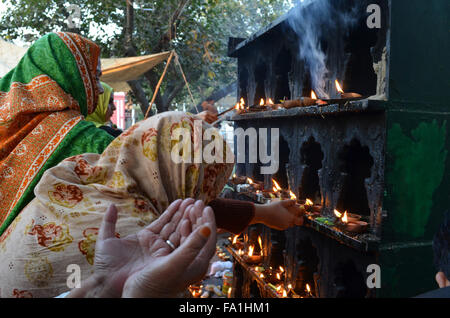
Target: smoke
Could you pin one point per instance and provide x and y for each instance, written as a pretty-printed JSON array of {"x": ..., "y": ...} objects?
[{"x": 314, "y": 21}]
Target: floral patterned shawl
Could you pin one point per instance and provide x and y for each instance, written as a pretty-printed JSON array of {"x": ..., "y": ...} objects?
[
  {"x": 42, "y": 104},
  {"x": 136, "y": 173}
]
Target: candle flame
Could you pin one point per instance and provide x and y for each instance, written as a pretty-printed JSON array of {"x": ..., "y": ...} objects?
[
  {"x": 337, "y": 213},
  {"x": 338, "y": 87},
  {"x": 276, "y": 185},
  {"x": 282, "y": 269},
  {"x": 270, "y": 102},
  {"x": 278, "y": 276},
  {"x": 313, "y": 95},
  {"x": 293, "y": 196},
  {"x": 290, "y": 286},
  {"x": 284, "y": 294},
  {"x": 235, "y": 239},
  {"x": 278, "y": 288},
  {"x": 262, "y": 103},
  {"x": 242, "y": 104},
  {"x": 345, "y": 218},
  {"x": 250, "y": 181},
  {"x": 260, "y": 243},
  {"x": 308, "y": 288},
  {"x": 261, "y": 276},
  {"x": 250, "y": 250},
  {"x": 309, "y": 202}
]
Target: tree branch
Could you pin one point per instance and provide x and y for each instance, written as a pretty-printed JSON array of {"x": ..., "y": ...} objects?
[
  {"x": 129, "y": 24},
  {"x": 167, "y": 37},
  {"x": 222, "y": 92},
  {"x": 139, "y": 93},
  {"x": 162, "y": 102},
  {"x": 174, "y": 92}
]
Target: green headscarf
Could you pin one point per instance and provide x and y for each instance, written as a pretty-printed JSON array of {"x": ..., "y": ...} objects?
[
  {"x": 57, "y": 70},
  {"x": 50, "y": 56},
  {"x": 98, "y": 117}
]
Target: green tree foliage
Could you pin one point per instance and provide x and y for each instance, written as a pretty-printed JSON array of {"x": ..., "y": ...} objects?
[{"x": 199, "y": 34}]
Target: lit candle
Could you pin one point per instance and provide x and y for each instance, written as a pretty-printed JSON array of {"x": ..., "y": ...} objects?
[
  {"x": 262, "y": 103},
  {"x": 260, "y": 245},
  {"x": 343, "y": 94},
  {"x": 293, "y": 196},
  {"x": 308, "y": 289}
]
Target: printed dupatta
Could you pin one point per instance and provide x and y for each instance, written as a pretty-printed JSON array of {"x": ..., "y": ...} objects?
[{"x": 42, "y": 104}]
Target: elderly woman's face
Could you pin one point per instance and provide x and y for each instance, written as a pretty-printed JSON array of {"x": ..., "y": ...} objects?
[{"x": 98, "y": 74}]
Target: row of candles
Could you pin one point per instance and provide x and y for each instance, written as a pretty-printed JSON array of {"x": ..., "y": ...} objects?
[
  {"x": 346, "y": 221},
  {"x": 277, "y": 193},
  {"x": 304, "y": 101},
  {"x": 274, "y": 278}
]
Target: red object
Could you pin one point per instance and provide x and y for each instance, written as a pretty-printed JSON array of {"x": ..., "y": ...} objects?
[{"x": 118, "y": 118}]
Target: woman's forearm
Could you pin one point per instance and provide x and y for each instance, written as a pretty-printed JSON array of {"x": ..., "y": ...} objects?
[
  {"x": 233, "y": 215},
  {"x": 260, "y": 214}
]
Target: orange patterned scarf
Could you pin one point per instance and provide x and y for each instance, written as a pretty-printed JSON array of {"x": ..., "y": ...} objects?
[{"x": 41, "y": 101}]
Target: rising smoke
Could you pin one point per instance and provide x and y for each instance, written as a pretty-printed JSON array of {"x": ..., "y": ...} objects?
[{"x": 315, "y": 21}]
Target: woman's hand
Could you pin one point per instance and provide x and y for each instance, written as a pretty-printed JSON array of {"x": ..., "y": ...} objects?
[
  {"x": 143, "y": 264},
  {"x": 279, "y": 215}
]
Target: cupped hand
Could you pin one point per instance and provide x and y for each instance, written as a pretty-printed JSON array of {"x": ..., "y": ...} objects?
[{"x": 144, "y": 264}]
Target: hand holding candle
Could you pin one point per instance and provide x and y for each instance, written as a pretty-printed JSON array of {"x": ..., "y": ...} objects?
[{"x": 279, "y": 215}]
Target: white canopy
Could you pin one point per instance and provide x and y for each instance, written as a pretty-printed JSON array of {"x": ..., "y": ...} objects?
[
  {"x": 116, "y": 71},
  {"x": 10, "y": 55}
]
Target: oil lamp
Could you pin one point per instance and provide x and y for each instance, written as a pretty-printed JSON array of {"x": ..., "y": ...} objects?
[{"x": 343, "y": 94}]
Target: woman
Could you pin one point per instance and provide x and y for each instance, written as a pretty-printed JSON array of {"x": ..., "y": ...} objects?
[
  {"x": 137, "y": 174},
  {"x": 104, "y": 111},
  {"x": 42, "y": 104}
]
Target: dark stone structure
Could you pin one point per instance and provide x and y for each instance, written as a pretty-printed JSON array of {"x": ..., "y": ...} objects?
[{"x": 384, "y": 157}]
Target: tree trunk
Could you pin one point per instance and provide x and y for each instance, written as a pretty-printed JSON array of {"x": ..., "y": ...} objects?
[
  {"x": 140, "y": 96},
  {"x": 162, "y": 102}
]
